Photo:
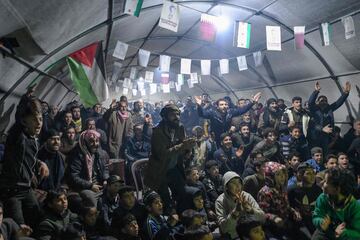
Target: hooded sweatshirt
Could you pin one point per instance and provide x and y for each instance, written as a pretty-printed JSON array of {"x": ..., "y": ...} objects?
[{"x": 225, "y": 205}]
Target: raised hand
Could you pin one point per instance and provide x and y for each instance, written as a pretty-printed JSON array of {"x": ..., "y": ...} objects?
[
  {"x": 256, "y": 97},
  {"x": 239, "y": 152},
  {"x": 317, "y": 86},
  {"x": 347, "y": 87},
  {"x": 198, "y": 100},
  {"x": 327, "y": 129}
]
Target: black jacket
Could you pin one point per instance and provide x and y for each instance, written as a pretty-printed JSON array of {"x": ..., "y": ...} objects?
[
  {"x": 20, "y": 159},
  {"x": 52, "y": 225},
  {"x": 77, "y": 172}
]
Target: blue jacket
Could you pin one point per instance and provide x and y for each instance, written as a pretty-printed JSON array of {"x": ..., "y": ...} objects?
[{"x": 221, "y": 123}]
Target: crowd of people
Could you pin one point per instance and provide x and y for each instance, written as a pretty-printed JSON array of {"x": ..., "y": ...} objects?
[{"x": 214, "y": 170}]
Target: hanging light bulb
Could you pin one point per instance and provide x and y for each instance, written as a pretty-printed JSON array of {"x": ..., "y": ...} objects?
[{"x": 222, "y": 24}]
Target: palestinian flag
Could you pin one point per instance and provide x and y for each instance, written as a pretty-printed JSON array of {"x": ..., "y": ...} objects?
[{"x": 87, "y": 71}]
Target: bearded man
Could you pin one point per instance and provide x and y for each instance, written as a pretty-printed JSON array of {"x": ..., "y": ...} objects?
[
  {"x": 168, "y": 146},
  {"x": 87, "y": 171},
  {"x": 322, "y": 124}
]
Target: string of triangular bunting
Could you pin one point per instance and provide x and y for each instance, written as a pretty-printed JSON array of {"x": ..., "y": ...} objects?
[{"x": 170, "y": 19}]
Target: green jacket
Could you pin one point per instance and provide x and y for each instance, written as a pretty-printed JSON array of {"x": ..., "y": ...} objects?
[{"x": 350, "y": 214}]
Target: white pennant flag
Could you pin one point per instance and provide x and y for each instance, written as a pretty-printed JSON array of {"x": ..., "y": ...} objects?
[
  {"x": 120, "y": 50},
  {"x": 134, "y": 92},
  {"x": 257, "y": 58},
  {"x": 185, "y": 66},
  {"x": 194, "y": 77},
  {"x": 149, "y": 77},
  {"x": 125, "y": 91},
  {"x": 165, "y": 63},
  {"x": 143, "y": 57},
  {"x": 133, "y": 73},
  {"x": 205, "y": 67},
  {"x": 180, "y": 79},
  {"x": 177, "y": 87},
  {"x": 273, "y": 38},
  {"x": 224, "y": 66},
  {"x": 325, "y": 33},
  {"x": 166, "y": 88},
  {"x": 153, "y": 88},
  {"x": 349, "y": 27},
  {"x": 140, "y": 85},
  {"x": 142, "y": 92},
  {"x": 127, "y": 83},
  {"x": 116, "y": 71},
  {"x": 190, "y": 84},
  {"x": 169, "y": 18},
  {"x": 117, "y": 89},
  {"x": 242, "y": 64}
]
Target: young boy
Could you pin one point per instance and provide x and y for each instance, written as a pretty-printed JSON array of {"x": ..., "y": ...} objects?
[
  {"x": 317, "y": 159},
  {"x": 295, "y": 141},
  {"x": 330, "y": 162},
  {"x": 254, "y": 182},
  {"x": 129, "y": 228},
  {"x": 109, "y": 201},
  {"x": 156, "y": 227},
  {"x": 212, "y": 182},
  {"x": 337, "y": 212},
  {"x": 127, "y": 204},
  {"x": 250, "y": 228},
  {"x": 192, "y": 180},
  {"x": 233, "y": 203},
  {"x": 302, "y": 197},
  {"x": 293, "y": 162},
  {"x": 57, "y": 216}
]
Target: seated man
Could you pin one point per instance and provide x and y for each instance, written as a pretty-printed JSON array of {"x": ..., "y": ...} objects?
[
  {"x": 87, "y": 171},
  {"x": 337, "y": 212},
  {"x": 57, "y": 216},
  {"x": 269, "y": 146},
  {"x": 90, "y": 125},
  {"x": 55, "y": 161},
  {"x": 246, "y": 139},
  {"x": 138, "y": 146},
  {"x": 295, "y": 141},
  {"x": 229, "y": 158}
]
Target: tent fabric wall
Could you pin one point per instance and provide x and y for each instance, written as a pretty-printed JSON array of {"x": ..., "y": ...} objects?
[{"x": 48, "y": 31}]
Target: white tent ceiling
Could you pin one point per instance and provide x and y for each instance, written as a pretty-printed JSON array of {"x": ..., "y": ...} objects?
[{"x": 49, "y": 30}]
